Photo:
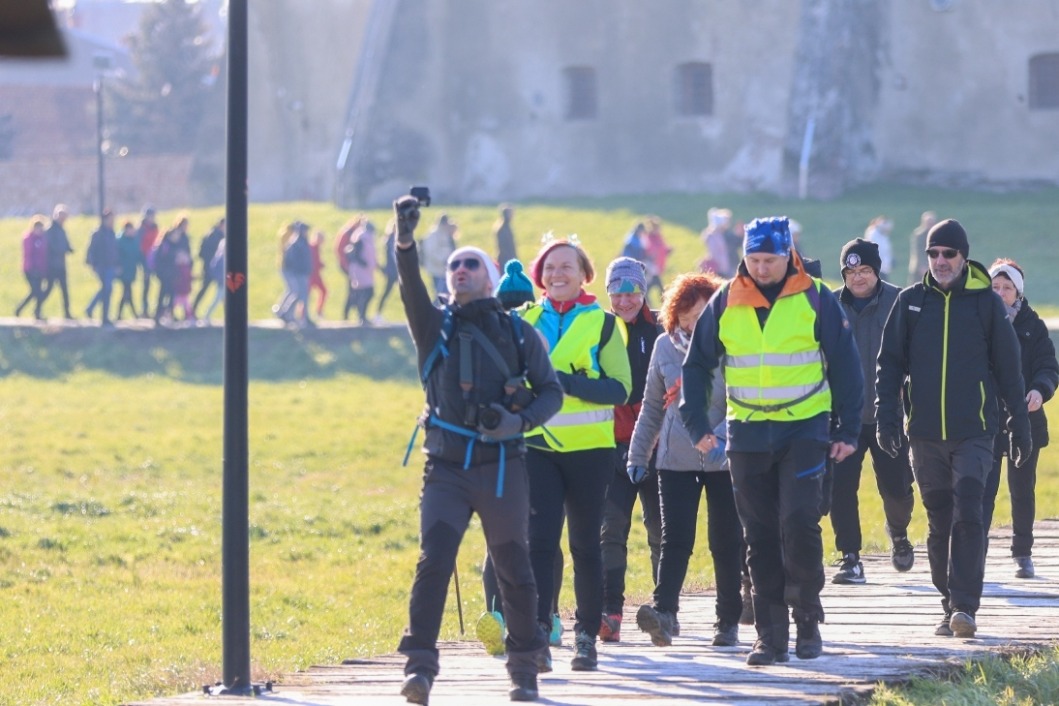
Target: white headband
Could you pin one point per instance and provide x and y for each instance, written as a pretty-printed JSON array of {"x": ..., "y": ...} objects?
[
  {"x": 1012, "y": 274},
  {"x": 490, "y": 266}
]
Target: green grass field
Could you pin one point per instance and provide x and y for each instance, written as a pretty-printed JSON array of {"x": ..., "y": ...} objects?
[{"x": 111, "y": 507}]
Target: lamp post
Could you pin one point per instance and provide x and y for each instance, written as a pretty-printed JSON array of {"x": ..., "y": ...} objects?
[{"x": 101, "y": 63}]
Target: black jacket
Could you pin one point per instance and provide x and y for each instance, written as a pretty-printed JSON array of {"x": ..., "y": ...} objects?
[
  {"x": 953, "y": 359},
  {"x": 445, "y": 398},
  {"x": 868, "y": 326},
  {"x": 1040, "y": 370}
]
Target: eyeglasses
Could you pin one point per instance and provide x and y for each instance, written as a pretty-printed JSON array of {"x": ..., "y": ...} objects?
[
  {"x": 860, "y": 272},
  {"x": 947, "y": 253},
  {"x": 471, "y": 263}
]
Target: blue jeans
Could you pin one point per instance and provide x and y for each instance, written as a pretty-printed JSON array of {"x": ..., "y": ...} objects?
[{"x": 102, "y": 297}]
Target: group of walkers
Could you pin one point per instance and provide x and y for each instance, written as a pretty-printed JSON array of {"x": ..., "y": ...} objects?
[
  {"x": 563, "y": 409},
  {"x": 140, "y": 251}
]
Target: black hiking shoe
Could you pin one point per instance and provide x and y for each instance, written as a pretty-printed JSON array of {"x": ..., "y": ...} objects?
[
  {"x": 544, "y": 661},
  {"x": 585, "y": 657},
  {"x": 850, "y": 571},
  {"x": 764, "y": 654},
  {"x": 1025, "y": 570},
  {"x": 808, "y": 644},
  {"x": 943, "y": 629},
  {"x": 656, "y": 623},
  {"x": 725, "y": 634},
  {"x": 523, "y": 687},
  {"x": 416, "y": 688},
  {"x": 902, "y": 554}
]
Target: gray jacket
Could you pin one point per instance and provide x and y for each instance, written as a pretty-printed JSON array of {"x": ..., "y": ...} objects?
[
  {"x": 657, "y": 425},
  {"x": 867, "y": 327}
]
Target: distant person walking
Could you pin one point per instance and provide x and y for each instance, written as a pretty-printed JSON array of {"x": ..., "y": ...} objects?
[
  {"x": 207, "y": 249},
  {"x": 34, "y": 265},
  {"x": 147, "y": 234},
  {"x": 917, "y": 250},
  {"x": 387, "y": 266},
  {"x": 316, "y": 279},
  {"x": 58, "y": 249},
  {"x": 129, "y": 258},
  {"x": 102, "y": 257},
  {"x": 505, "y": 236}
]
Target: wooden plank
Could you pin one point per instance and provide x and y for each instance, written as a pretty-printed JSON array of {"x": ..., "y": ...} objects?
[{"x": 879, "y": 631}]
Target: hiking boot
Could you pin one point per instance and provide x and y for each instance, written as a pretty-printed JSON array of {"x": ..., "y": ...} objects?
[
  {"x": 544, "y": 661},
  {"x": 585, "y": 657},
  {"x": 764, "y": 654},
  {"x": 850, "y": 570},
  {"x": 610, "y": 628},
  {"x": 1025, "y": 570},
  {"x": 656, "y": 623},
  {"x": 943, "y": 629},
  {"x": 747, "y": 616},
  {"x": 902, "y": 554},
  {"x": 808, "y": 644},
  {"x": 962, "y": 624},
  {"x": 555, "y": 631},
  {"x": 490, "y": 630},
  {"x": 523, "y": 687},
  {"x": 725, "y": 634},
  {"x": 416, "y": 688},
  {"x": 675, "y": 630}
]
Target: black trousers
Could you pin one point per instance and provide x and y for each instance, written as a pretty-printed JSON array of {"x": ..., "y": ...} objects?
[
  {"x": 450, "y": 495},
  {"x": 617, "y": 521},
  {"x": 36, "y": 293},
  {"x": 778, "y": 496},
  {"x": 574, "y": 481},
  {"x": 893, "y": 477},
  {"x": 1022, "y": 483},
  {"x": 57, "y": 276},
  {"x": 951, "y": 476},
  {"x": 680, "y": 493}
]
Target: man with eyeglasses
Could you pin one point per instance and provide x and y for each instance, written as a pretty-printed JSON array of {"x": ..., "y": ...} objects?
[
  {"x": 948, "y": 352},
  {"x": 471, "y": 356},
  {"x": 867, "y": 300}
]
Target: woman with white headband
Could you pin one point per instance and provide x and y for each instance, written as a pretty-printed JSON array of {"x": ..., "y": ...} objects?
[{"x": 1040, "y": 371}]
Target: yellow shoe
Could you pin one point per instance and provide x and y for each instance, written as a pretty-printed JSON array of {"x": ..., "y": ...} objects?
[{"x": 491, "y": 632}]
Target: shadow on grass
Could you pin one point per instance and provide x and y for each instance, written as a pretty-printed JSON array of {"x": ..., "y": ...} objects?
[{"x": 196, "y": 355}]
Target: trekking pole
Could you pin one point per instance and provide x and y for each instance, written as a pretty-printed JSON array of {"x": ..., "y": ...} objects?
[{"x": 459, "y": 601}]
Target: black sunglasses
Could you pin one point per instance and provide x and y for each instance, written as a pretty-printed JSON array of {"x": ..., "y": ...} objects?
[
  {"x": 947, "y": 253},
  {"x": 471, "y": 263}
]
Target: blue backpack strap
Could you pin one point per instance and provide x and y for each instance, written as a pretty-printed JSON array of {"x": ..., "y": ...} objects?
[{"x": 441, "y": 348}]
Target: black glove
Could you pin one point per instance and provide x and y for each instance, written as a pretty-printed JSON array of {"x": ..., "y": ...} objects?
[
  {"x": 406, "y": 213},
  {"x": 509, "y": 424},
  {"x": 889, "y": 440},
  {"x": 637, "y": 474},
  {"x": 1021, "y": 446}
]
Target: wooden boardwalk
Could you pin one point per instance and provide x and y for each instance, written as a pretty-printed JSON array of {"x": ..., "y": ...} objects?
[{"x": 879, "y": 631}]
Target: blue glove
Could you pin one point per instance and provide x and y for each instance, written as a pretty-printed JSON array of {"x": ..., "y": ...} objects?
[
  {"x": 637, "y": 474},
  {"x": 716, "y": 455}
]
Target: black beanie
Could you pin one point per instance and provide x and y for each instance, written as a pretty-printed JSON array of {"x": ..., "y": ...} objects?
[
  {"x": 949, "y": 234},
  {"x": 859, "y": 252}
]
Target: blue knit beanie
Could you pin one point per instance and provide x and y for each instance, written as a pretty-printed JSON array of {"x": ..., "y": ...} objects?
[
  {"x": 626, "y": 276},
  {"x": 770, "y": 236},
  {"x": 515, "y": 288}
]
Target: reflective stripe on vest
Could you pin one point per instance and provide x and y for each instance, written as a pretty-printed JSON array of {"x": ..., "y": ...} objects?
[
  {"x": 777, "y": 372},
  {"x": 579, "y": 424}
]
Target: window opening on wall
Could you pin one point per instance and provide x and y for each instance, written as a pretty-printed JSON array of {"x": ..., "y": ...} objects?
[
  {"x": 694, "y": 91},
  {"x": 581, "y": 93},
  {"x": 1044, "y": 82}
]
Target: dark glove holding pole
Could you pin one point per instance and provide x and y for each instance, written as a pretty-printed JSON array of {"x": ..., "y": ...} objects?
[
  {"x": 508, "y": 424},
  {"x": 1021, "y": 445},
  {"x": 406, "y": 213},
  {"x": 637, "y": 474},
  {"x": 889, "y": 439}
]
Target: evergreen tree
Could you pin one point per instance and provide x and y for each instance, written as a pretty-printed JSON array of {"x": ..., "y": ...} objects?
[{"x": 161, "y": 107}]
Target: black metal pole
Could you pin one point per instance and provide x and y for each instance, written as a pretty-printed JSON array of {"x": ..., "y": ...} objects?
[
  {"x": 99, "y": 141},
  {"x": 236, "y": 538}
]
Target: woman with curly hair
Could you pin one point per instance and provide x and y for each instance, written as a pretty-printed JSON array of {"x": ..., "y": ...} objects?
[{"x": 685, "y": 473}]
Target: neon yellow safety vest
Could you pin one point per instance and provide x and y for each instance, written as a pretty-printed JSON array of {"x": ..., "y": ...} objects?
[
  {"x": 777, "y": 372},
  {"x": 579, "y": 425}
]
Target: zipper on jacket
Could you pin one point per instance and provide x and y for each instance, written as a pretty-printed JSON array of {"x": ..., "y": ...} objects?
[
  {"x": 981, "y": 407},
  {"x": 944, "y": 366}
]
